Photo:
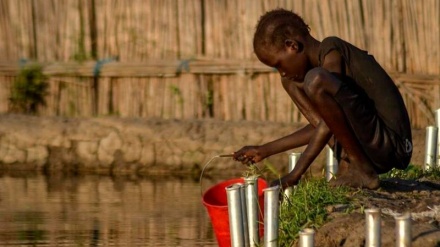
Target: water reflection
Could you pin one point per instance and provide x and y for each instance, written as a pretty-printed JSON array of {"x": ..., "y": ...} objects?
[{"x": 102, "y": 211}]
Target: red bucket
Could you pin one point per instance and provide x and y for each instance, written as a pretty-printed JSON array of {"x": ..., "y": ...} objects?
[{"x": 215, "y": 201}]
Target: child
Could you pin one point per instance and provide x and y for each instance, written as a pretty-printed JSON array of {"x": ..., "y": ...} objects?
[{"x": 351, "y": 104}]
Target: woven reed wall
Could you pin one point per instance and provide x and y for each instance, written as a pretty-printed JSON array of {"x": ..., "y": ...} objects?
[{"x": 209, "y": 42}]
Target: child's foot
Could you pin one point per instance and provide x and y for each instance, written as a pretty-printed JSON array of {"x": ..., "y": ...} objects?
[{"x": 348, "y": 175}]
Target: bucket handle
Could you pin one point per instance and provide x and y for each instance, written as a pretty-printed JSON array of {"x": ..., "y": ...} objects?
[{"x": 207, "y": 164}]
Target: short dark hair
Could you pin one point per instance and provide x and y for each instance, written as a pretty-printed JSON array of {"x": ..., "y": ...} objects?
[{"x": 275, "y": 26}]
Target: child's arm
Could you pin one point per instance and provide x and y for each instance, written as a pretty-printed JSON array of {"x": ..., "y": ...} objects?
[
  {"x": 254, "y": 154},
  {"x": 320, "y": 137}
]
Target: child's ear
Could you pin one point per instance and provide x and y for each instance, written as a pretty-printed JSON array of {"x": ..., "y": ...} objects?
[
  {"x": 295, "y": 44},
  {"x": 288, "y": 43}
]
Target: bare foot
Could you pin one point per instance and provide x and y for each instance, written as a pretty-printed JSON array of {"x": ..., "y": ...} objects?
[{"x": 352, "y": 176}]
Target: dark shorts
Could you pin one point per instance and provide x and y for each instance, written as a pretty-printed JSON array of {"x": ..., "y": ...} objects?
[{"x": 383, "y": 146}]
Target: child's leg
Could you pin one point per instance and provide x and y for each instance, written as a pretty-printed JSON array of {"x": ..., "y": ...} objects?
[{"x": 357, "y": 169}]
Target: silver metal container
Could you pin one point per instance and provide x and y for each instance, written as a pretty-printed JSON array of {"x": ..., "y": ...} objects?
[
  {"x": 307, "y": 237},
  {"x": 372, "y": 227},
  {"x": 331, "y": 166},
  {"x": 252, "y": 208},
  {"x": 437, "y": 123},
  {"x": 293, "y": 159},
  {"x": 244, "y": 215},
  {"x": 233, "y": 193},
  {"x": 431, "y": 147},
  {"x": 403, "y": 230},
  {"x": 271, "y": 216}
]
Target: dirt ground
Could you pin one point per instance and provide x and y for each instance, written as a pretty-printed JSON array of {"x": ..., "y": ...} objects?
[{"x": 396, "y": 196}]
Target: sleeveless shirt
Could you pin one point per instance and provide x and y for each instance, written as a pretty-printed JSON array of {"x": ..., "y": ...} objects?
[{"x": 366, "y": 72}]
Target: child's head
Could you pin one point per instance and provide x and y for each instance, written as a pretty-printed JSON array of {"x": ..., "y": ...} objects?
[{"x": 275, "y": 27}]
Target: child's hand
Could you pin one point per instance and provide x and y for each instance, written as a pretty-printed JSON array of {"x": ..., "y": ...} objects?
[
  {"x": 276, "y": 182},
  {"x": 283, "y": 182},
  {"x": 248, "y": 155}
]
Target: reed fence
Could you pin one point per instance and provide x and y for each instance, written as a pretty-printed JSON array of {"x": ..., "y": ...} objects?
[
  {"x": 194, "y": 59},
  {"x": 191, "y": 89}
]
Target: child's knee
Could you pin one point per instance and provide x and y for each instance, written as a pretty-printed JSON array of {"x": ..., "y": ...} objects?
[
  {"x": 314, "y": 80},
  {"x": 319, "y": 80}
]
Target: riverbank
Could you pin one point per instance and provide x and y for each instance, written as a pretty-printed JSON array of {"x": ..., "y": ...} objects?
[
  {"x": 142, "y": 147},
  {"x": 118, "y": 146}
]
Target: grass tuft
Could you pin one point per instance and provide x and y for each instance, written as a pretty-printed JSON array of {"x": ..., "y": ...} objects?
[
  {"x": 306, "y": 208},
  {"x": 413, "y": 172}
]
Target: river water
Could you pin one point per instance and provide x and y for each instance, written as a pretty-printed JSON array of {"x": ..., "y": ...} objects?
[{"x": 37, "y": 210}]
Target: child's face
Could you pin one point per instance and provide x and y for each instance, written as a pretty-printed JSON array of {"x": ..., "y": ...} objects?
[{"x": 291, "y": 63}]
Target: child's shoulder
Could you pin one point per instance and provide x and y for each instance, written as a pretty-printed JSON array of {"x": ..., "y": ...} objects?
[
  {"x": 329, "y": 44},
  {"x": 345, "y": 48},
  {"x": 332, "y": 40}
]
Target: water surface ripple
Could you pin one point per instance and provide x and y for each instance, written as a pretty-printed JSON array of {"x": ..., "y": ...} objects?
[{"x": 56, "y": 210}]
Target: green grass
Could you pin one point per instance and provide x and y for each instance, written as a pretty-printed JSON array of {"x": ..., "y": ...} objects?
[
  {"x": 306, "y": 208},
  {"x": 29, "y": 90},
  {"x": 413, "y": 172}
]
